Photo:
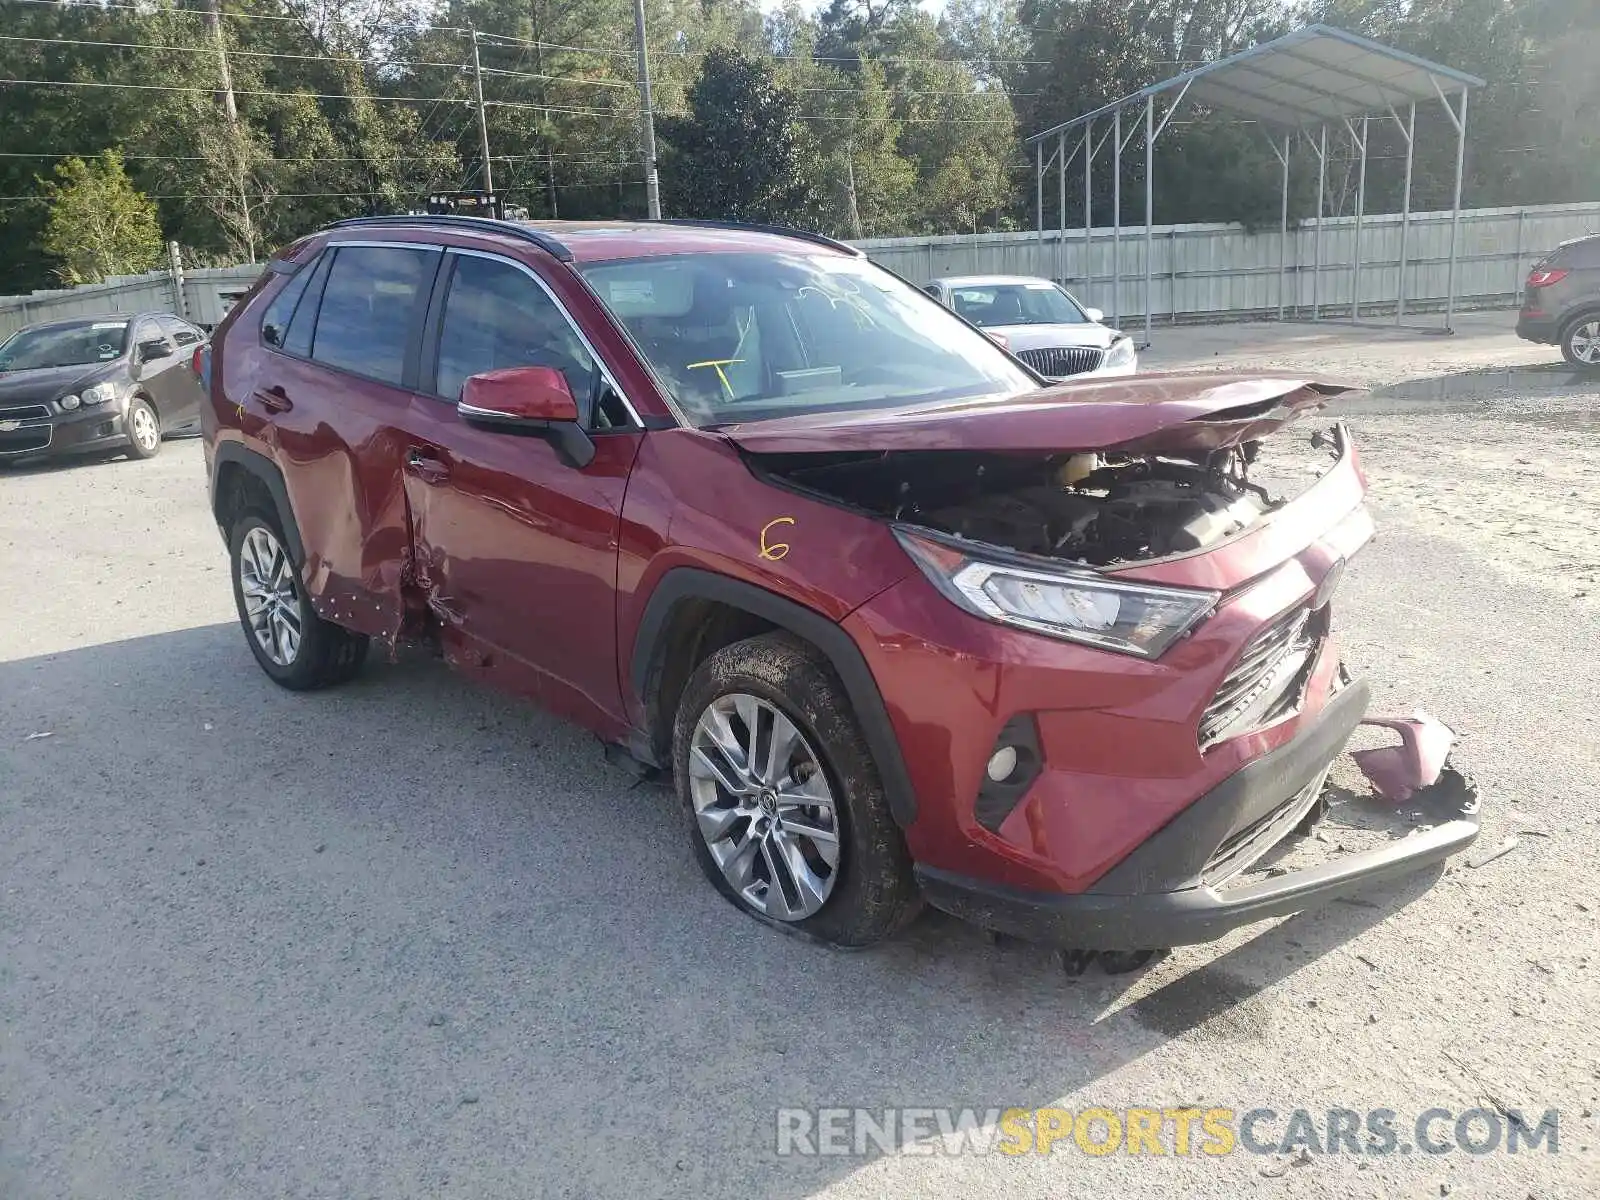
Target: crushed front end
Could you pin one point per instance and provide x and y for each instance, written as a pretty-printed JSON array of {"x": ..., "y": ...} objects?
[{"x": 1117, "y": 795}]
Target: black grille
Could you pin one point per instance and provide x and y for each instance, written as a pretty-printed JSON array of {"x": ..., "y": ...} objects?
[
  {"x": 1267, "y": 679},
  {"x": 1244, "y": 846},
  {"x": 20, "y": 441},
  {"x": 1057, "y": 362},
  {"x": 25, "y": 412}
]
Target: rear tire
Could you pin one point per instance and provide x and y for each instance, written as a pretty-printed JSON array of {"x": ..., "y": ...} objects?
[
  {"x": 1580, "y": 342},
  {"x": 143, "y": 427},
  {"x": 296, "y": 648},
  {"x": 772, "y": 843}
]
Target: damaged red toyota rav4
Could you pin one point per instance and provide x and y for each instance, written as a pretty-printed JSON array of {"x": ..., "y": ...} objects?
[{"x": 903, "y": 622}]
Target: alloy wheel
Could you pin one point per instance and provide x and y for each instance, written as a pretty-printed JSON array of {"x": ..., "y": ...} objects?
[
  {"x": 763, "y": 805},
  {"x": 145, "y": 430},
  {"x": 1584, "y": 341},
  {"x": 271, "y": 597}
]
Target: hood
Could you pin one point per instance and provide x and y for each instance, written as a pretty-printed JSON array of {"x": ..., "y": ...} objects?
[
  {"x": 1047, "y": 337},
  {"x": 1144, "y": 414},
  {"x": 46, "y": 383}
]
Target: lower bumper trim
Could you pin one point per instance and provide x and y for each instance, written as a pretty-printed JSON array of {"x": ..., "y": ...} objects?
[{"x": 1094, "y": 921}]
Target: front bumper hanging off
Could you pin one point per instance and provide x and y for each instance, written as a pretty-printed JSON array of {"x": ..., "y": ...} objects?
[{"x": 1158, "y": 897}]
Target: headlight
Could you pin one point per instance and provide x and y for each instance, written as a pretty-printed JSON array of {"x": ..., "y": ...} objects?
[
  {"x": 68, "y": 403},
  {"x": 100, "y": 393},
  {"x": 1121, "y": 353},
  {"x": 1079, "y": 606}
]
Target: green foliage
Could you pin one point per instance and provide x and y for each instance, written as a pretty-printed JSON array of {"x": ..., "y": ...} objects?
[
  {"x": 740, "y": 153},
  {"x": 856, "y": 116},
  {"x": 99, "y": 223}
]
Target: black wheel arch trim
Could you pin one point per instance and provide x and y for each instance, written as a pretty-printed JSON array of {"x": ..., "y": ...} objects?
[
  {"x": 267, "y": 473},
  {"x": 692, "y": 583}
]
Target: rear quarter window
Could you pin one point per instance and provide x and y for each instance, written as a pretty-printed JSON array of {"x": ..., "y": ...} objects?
[{"x": 280, "y": 311}]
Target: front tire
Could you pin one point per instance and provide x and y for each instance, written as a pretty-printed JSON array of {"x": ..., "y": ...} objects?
[
  {"x": 786, "y": 810},
  {"x": 294, "y": 646},
  {"x": 143, "y": 429},
  {"x": 1580, "y": 342}
]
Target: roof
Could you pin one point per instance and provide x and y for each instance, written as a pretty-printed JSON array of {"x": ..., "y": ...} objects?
[
  {"x": 1308, "y": 77},
  {"x": 592, "y": 241},
  {"x": 989, "y": 280},
  {"x": 95, "y": 318}
]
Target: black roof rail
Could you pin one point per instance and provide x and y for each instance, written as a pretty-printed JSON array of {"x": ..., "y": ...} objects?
[
  {"x": 804, "y": 235},
  {"x": 546, "y": 242}
]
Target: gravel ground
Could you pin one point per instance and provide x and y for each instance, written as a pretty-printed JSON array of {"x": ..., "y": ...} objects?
[{"x": 411, "y": 938}]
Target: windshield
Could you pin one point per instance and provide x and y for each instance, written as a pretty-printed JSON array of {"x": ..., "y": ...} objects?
[
  {"x": 1038, "y": 303},
  {"x": 74, "y": 345},
  {"x": 746, "y": 336}
]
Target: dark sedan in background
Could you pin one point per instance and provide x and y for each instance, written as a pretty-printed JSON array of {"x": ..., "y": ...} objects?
[{"x": 97, "y": 384}]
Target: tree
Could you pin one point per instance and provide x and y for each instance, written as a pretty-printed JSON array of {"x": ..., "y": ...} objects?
[
  {"x": 99, "y": 223},
  {"x": 740, "y": 154}
]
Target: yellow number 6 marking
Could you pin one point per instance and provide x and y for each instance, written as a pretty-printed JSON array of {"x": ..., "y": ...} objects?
[{"x": 772, "y": 553}]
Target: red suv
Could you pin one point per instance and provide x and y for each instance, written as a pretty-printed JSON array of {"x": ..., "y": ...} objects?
[{"x": 902, "y": 621}]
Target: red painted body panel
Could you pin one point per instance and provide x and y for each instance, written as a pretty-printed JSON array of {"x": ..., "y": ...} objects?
[
  {"x": 693, "y": 502},
  {"x": 516, "y": 555},
  {"x": 1149, "y": 414}
]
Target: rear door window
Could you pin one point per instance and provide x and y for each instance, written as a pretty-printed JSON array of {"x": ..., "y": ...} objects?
[{"x": 367, "y": 320}]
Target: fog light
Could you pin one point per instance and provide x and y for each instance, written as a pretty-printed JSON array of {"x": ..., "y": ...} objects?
[{"x": 1002, "y": 763}]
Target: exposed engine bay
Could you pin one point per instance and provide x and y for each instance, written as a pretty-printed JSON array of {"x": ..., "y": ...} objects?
[{"x": 1099, "y": 509}]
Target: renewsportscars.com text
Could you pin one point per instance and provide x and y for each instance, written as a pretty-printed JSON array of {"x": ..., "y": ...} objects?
[{"x": 1179, "y": 1132}]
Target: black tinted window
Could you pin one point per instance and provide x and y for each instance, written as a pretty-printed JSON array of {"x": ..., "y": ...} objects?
[
  {"x": 496, "y": 316},
  {"x": 182, "y": 334},
  {"x": 148, "y": 333},
  {"x": 275, "y": 321},
  {"x": 367, "y": 308}
]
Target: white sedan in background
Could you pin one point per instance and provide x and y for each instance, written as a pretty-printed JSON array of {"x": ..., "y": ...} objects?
[{"x": 1040, "y": 323}]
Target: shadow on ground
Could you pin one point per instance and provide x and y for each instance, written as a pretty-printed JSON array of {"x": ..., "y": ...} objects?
[{"x": 411, "y": 931}]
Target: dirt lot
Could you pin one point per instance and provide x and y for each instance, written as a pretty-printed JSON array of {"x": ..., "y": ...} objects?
[{"x": 409, "y": 938}]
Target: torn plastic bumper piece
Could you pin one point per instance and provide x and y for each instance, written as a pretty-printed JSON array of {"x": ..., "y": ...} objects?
[
  {"x": 1399, "y": 772},
  {"x": 1156, "y": 897}
]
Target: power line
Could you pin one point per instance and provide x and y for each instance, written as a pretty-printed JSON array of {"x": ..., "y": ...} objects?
[
  {"x": 513, "y": 104},
  {"x": 94, "y": 6},
  {"x": 331, "y": 58},
  {"x": 158, "y": 87},
  {"x": 206, "y": 50}
]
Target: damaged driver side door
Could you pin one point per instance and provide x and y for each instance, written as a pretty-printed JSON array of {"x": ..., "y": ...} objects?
[{"x": 515, "y": 546}]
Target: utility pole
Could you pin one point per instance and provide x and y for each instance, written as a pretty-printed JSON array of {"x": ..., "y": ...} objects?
[
  {"x": 647, "y": 119},
  {"x": 238, "y": 166},
  {"x": 850, "y": 176},
  {"x": 225, "y": 76},
  {"x": 483, "y": 123}
]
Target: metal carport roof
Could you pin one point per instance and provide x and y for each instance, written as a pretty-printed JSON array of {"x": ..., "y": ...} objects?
[
  {"x": 1295, "y": 86},
  {"x": 1311, "y": 76}
]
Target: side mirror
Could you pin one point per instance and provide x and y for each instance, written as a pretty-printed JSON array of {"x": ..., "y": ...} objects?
[
  {"x": 932, "y": 289},
  {"x": 150, "y": 351},
  {"x": 530, "y": 402},
  {"x": 1097, "y": 315}
]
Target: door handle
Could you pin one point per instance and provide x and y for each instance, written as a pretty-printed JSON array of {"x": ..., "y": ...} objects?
[
  {"x": 273, "y": 399},
  {"x": 426, "y": 467}
]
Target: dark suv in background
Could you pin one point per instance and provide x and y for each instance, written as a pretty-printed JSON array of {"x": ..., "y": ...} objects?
[{"x": 1561, "y": 306}]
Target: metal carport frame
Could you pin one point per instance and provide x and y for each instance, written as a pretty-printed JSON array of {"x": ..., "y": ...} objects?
[{"x": 1297, "y": 85}]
